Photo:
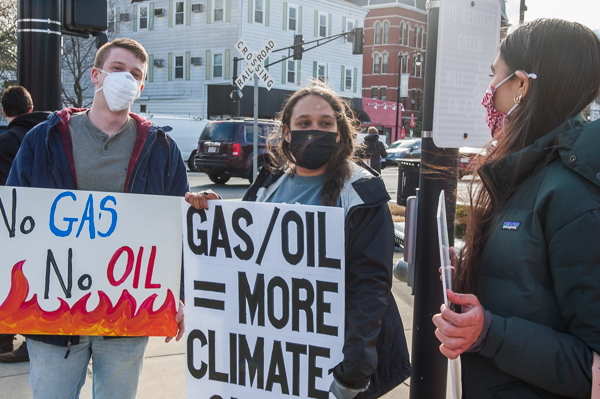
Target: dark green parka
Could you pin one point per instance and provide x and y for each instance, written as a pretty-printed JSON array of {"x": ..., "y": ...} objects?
[{"x": 540, "y": 271}]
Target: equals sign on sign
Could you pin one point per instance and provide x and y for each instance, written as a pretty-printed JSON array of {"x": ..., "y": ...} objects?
[{"x": 209, "y": 303}]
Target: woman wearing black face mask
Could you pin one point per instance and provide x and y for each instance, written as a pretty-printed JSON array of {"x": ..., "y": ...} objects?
[{"x": 312, "y": 154}]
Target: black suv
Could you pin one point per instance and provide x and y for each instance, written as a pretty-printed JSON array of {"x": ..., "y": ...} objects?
[{"x": 225, "y": 148}]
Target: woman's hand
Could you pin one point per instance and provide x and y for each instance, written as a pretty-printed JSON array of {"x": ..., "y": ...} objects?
[
  {"x": 459, "y": 331},
  {"x": 180, "y": 319},
  {"x": 198, "y": 200}
]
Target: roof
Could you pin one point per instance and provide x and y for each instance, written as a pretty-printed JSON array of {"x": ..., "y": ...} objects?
[{"x": 420, "y": 4}]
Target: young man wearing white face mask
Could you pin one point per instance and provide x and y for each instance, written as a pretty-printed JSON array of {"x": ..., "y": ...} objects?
[{"x": 104, "y": 148}]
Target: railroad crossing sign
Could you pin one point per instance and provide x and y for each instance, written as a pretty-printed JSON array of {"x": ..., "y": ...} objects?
[{"x": 255, "y": 64}]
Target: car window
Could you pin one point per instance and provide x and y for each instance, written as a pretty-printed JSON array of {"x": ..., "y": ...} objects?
[
  {"x": 406, "y": 144},
  {"x": 261, "y": 136},
  {"x": 217, "y": 131}
]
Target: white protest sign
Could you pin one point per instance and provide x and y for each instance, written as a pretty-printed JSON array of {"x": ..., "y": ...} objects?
[
  {"x": 265, "y": 293},
  {"x": 89, "y": 263},
  {"x": 468, "y": 39},
  {"x": 255, "y": 64}
]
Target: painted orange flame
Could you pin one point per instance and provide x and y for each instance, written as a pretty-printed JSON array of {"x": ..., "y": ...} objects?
[{"x": 26, "y": 317}]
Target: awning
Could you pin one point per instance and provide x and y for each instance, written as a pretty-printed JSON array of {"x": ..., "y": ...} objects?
[{"x": 381, "y": 112}]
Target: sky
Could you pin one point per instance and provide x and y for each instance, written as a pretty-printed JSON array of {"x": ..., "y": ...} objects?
[{"x": 586, "y": 12}]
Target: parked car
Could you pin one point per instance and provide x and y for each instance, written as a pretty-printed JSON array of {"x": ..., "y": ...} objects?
[
  {"x": 468, "y": 160},
  {"x": 185, "y": 130},
  {"x": 225, "y": 148},
  {"x": 404, "y": 149}
]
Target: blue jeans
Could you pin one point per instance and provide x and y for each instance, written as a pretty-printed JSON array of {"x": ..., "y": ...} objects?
[{"x": 116, "y": 369}]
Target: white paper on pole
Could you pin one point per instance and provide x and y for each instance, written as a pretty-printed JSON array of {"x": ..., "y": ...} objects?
[
  {"x": 261, "y": 322},
  {"x": 468, "y": 39},
  {"x": 115, "y": 248}
]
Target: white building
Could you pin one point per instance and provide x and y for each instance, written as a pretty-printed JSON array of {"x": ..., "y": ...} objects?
[{"x": 191, "y": 47}]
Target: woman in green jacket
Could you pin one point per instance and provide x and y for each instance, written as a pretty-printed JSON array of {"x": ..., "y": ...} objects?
[{"x": 529, "y": 273}]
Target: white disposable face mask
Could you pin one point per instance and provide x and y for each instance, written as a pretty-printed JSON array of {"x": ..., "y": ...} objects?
[{"x": 121, "y": 89}]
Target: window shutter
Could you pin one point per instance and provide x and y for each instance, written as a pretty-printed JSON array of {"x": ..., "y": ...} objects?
[
  {"x": 343, "y": 78},
  {"x": 316, "y": 23},
  {"x": 344, "y": 24},
  {"x": 315, "y": 67},
  {"x": 151, "y": 68},
  {"x": 208, "y": 60},
  {"x": 354, "y": 82},
  {"x": 329, "y": 24},
  {"x": 151, "y": 16},
  {"x": 135, "y": 18},
  {"x": 266, "y": 63},
  {"x": 117, "y": 20},
  {"x": 298, "y": 72},
  {"x": 250, "y": 11},
  {"x": 170, "y": 66},
  {"x": 226, "y": 66},
  {"x": 267, "y": 11},
  {"x": 187, "y": 65},
  {"x": 283, "y": 71},
  {"x": 299, "y": 20},
  {"x": 170, "y": 16},
  {"x": 228, "y": 11},
  {"x": 188, "y": 13},
  {"x": 208, "y": 11},
  {"x": 285, "y": 15}
]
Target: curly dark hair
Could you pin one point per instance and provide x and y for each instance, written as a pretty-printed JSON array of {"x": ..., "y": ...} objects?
[{"x": 338, "y": 169}]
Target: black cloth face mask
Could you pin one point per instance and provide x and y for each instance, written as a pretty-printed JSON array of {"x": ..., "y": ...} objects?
[{"x": 312, "y": 148}]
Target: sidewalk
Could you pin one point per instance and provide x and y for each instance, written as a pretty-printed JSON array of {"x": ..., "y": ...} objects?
[{"x": 164, "y": 371}]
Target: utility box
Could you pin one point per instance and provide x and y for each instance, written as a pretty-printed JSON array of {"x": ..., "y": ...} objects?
[{"x": 85, "y": 15}]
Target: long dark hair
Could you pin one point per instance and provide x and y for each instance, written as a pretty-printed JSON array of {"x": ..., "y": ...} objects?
[
  {"x": 565, "y": 56},
  {"x": 338, "y": 167}
]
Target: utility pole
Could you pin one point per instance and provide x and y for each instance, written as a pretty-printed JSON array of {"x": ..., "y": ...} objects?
[
  {"x": 38, "y": 54},
  {"x": 234, "y": 93},
  {"x": 522, "y": 12}
]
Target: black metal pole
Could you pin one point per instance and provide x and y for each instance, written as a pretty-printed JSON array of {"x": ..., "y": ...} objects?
[
  {"x": 398, "y": 97},
  {"x": 522, "y": 10},
  {"x": 235, "y": 96},
  {"x": 39, "y": 49},
  {"x": 438, "y": 171}
]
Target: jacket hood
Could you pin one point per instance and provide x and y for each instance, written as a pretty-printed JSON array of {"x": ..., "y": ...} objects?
[
  {"x": 579, "y": 148},
  {"x": 29, "y": 120},
  {"x": 372, "y": 137}
]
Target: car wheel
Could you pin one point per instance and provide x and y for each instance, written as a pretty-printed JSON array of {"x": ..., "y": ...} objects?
[
  {"x": 218, "y": 179},
  {"x": 192, "y": 162}
]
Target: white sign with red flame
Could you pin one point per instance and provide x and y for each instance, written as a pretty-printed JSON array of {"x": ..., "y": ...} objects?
[
  {"x": 265, "y": 299},
  {"x": 89, "y": 263}
]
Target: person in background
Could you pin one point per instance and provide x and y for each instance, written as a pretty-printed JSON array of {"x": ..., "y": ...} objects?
[
  {"x": 374, "y": 149},
  {"x": 104, "y": 148},
  {"x": 17, "y": 108},
  {"x": 527, "y": 323},
  {"x": 311, "y": 154}
]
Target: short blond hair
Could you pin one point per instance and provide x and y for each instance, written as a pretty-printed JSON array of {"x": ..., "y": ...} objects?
[{"x": 128, "y": 44}]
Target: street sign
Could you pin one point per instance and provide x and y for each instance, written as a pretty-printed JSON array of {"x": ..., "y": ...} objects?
[
  {"x": 255, "y": 64},
  {"x": 404, "y": 85},
  {"x": 468, "y": 38}
]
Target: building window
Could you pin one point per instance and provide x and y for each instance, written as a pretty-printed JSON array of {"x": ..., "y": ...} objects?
[
  {"x": 321, "y": 73},
  {"x": 323, "y": 25},
  {"x": 143, "y": 18},
  {"x": 179, "y": 67},
  {"x": 111, "y": 21},
  {"x": 143, "y": 108},
  {"x": 291, "y": 71},
  {"x": 422, "y": 37},
  {"x": 404, "y": 64},
  {"x": 416, "y": 40},
  {"x": 258, "y": 11},
  {"x": 348, "y": 80},
  {"x": 292, "y": 18},
  {"x": 406, "y": 34},
  {"x": 384, "y": 63},
  {"x": 375, "y": 64},
  {"x": 218, "y": 66},
  {"x": 377, "y": 33},
  {"x": 179, "y": 12},
  {"x": 374, "y": 93},
  {"x": 383, "y": 93},
  {"x": 386, "y": 32},
  {"x": 219, "y": 10},
  {"x": 401, "y": 32}
]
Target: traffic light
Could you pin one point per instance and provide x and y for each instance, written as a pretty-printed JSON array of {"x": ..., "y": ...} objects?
[
  {"x": 298, "y": 47},
  {"x": 357, "y": 45},
  {"x": 82, "y": 17}
]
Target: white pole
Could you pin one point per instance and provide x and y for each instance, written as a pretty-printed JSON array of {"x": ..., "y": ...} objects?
[{"x": 255, "y": 144}]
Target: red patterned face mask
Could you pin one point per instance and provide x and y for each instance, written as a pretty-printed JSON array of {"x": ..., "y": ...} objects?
[{"x": 494, "y": 118}]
